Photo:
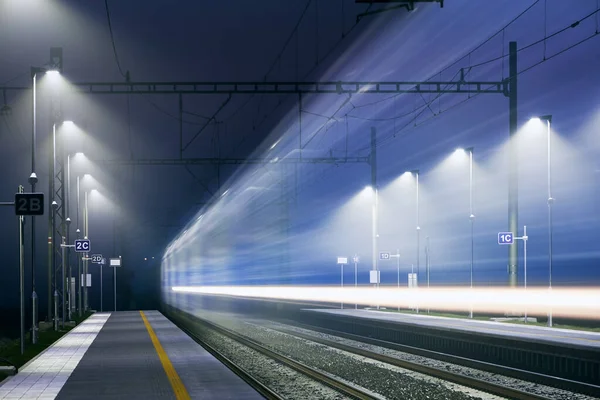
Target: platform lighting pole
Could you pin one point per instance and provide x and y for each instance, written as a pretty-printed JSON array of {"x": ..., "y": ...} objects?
[
  {"x": 68, "y": 229},
  {"x": 53, "y": 273},
  {"x": 33, "y": 180},
  {"x": 427, "y": 262},
  {"x": 78, "y": 231},
  {"x": 374, "y": 233},
  {"x": 22, "y": 277},
  {"x": 85, "y": 261},
  {"x": 416, "y": 174},
  {"x": 427, "y": 249},
  {"x": 471, "y": 216},
  {"x": 548, "y": 120}
]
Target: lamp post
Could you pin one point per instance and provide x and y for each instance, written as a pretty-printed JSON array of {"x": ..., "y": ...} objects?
[
  {"x": 78, "y": 231},
  {"x": 471, "y": 216},
  {"x": 85, "y": 261},
  {"x": 548, "y": 120},
  {"x": 416, "y": 173},
  {"x": 33, "y": 179}
]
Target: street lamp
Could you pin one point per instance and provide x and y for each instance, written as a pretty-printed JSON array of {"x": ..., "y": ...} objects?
[
  {"x": 548, "y": 120},
  {"x": 33, "y": 179},
  {"x": 469, "y": 152},
  {"x": 415, "y": 172}
]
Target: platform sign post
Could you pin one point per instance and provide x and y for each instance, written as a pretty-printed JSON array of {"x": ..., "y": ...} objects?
[
  {"x": 102, "y": 263},
  {"x": 355, "y": 259},
  {"x": 342, "y": 261},
  {"x": 509, "y": 238},
  {"x": 115, "y": 263}
]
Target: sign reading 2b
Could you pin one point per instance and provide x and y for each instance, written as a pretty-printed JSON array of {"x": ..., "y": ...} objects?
[
  {"x": 29, "y": 204},
  {"x": 82, "y": 245}
]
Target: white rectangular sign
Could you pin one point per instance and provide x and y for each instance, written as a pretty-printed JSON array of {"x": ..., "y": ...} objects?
[
  {"x": 374, "y": 276},
  {"x": 342, "y": 260},
  {"x": 89, "y": 280},
  {"x": 115, "y": 262},
  {"x": 412, "y": 280}
]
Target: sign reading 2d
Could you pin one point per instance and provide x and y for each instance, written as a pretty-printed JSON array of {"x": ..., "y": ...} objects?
[
  {"x": 82, "y": 245},
  {"x": 29, "y": 203},
  {"x": 505, "y": 238}
]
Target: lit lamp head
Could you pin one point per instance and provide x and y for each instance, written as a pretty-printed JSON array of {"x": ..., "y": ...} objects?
[{"x": 544, "y": 118}]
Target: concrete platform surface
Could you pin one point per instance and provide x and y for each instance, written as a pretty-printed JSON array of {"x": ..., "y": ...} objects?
[
  {"x": 126, "y": 355},
  {"x": 565, "y": 337}
]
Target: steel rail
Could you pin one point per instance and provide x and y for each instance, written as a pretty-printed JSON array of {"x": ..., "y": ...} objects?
[
  {"x": 325, "y": 379},
  {"x": 530, "y": 376}
]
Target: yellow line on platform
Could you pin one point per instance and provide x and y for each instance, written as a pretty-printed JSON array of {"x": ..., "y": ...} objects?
[{"x": 181, "y": 392}]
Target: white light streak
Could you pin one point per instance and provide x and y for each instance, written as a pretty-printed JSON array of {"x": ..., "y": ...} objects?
[{"x": 566, "y": 302}]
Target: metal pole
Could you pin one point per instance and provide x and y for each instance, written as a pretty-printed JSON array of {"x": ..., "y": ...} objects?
[
  {"x": 78, "y": 255},
  {"x": 51, "y": 226},
  {"x": 418, "y": 228},
  {"x": 550, "y": 203},
  {"x": 85, "y": 261},
  {"x": 471, "y": 219},
  {"x": 22, "y": 277},
  {"x": 68, "y": 228},
  {"x": 33, "y": 180},
  {"x": 64, "y": 300},
  {"x": 101, "y": 301},
  {"x": 115, "y": 288},
  {"x": 355, "y": 278},
  {"x": 342, "y": 281},
  {"x": 427, "y": 263},
  {"x": 418, "y": 237},
  {"x": 525, "y": 262},
  {"x": 427, "y": 259},
  {"x": 398, "y": 265},
  {"x": 373, "y": 162},
  {"x": 513, "y": 166}
]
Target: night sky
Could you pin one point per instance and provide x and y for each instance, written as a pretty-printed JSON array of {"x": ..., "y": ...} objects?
[{"x": 139, "y": 210}]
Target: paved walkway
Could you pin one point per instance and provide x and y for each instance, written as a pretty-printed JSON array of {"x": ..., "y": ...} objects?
[{"x": 44, "y": 376}]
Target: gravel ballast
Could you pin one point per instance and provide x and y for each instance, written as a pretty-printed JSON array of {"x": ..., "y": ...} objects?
[
  {"x": 387, "y": 380},
  {"x": 283, "y": 380},
  {"x": 519, "y": 384}
]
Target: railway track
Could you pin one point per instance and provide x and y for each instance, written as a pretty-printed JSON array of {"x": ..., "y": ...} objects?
[
  {"x": 316, "y": 375},
  {"x": 542, "y": 379},
  {"x": 484, "y": 386},
  {"x": 239, "y": 371}
]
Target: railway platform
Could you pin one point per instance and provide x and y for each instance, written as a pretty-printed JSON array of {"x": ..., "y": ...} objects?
[
  {"x": 563, "y": 337},
  {"x": 126, "y": 355}
]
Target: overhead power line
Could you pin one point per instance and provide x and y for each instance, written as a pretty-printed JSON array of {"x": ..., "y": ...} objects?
[{"x": 112, "y": 39}]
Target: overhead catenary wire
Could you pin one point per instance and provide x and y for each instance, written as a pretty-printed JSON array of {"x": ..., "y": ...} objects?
[
  {"x": 112, "y": 39},
  {"x": 310, "y": 71},
  {"x": 410, "y": 127}
]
